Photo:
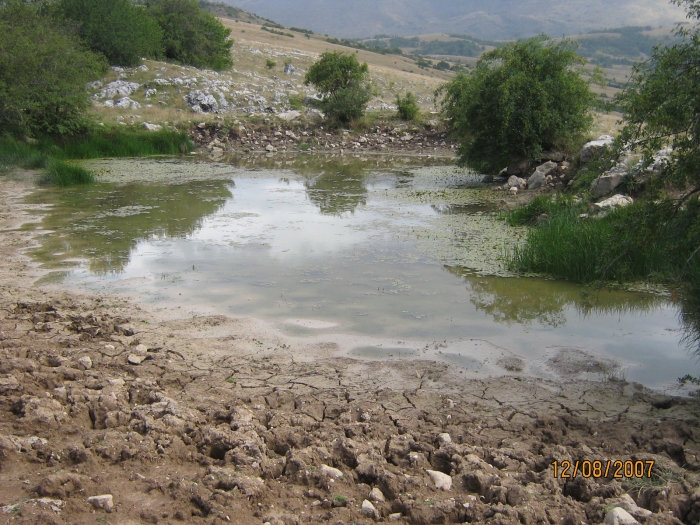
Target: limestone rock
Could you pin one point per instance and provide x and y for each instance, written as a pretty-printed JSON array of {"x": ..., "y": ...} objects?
[
  {"x": 127, "y": 103},
  {"x": 289, "y": 69},
  {"x": 104, "y": 502},
  {"x": 331, "y": 471},
  {"x": 141, "y": 350},
  {"x": 608, "y": 181},
  {"x": 444, "y": 438},
  {"x": 135, "y": 359},
  {"x": 536, "y": 180},
  {"x": 201, "y": 102},
  {"x": 442, "y": 481},
  {"x": 376, "y": 495},
  {"x": 368, "y": 509},
  {"x": 151, "y": 127},
  {"x": 289, "y": 115},
  {"x": 516, "y": 182},
  {"x": 594, "y": 148},
  {"x": 85, "y": 362},
  {"x": 619, "y": 516},
  {"x": 118, "y": 88},
  {"x": 614, "y": 202},
  {"x": 513, "y": 190}
]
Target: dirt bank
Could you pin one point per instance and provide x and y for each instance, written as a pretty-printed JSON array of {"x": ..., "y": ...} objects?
[{"x": 220, "y": 420}]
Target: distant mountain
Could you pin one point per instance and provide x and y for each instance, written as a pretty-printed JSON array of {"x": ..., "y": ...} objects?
[{"x": 494, "y": 19}]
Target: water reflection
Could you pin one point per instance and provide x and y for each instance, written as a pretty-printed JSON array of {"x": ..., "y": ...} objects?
[
  {"x": 338, "y": 191},
  {"x": 524, "y": 301},
  {"x": 103, "y": 223}
]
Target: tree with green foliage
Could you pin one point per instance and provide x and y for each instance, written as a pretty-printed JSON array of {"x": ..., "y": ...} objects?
[
  {"x": 342, "y": 81},
  {"x": 407, "y": 106},
  {"x": 520, "y": 99},
  {"x": 118, "y": 29},
  {"x": 191, "y": 35},
  {"x": 43, "y": 72}
]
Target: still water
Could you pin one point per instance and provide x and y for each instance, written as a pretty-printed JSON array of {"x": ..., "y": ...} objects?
[{"x": 384, "y": 251}]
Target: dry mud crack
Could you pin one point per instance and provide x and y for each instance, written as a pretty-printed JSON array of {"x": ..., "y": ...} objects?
[{"x": 224, "y": 422}]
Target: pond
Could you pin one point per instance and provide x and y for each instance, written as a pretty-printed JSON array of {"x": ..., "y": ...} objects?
[{"x": 396, "y": 259}]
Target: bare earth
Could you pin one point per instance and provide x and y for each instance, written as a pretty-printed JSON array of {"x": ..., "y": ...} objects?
[{"x": 226, "y": 421}]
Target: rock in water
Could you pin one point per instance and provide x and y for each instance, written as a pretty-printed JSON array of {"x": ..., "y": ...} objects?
[{"x": 442, "y": 481}]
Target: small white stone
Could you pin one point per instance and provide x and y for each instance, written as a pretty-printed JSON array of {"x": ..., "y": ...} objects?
[
  {"x": 396, "y": 516},
  {"x": 85, "y": 362},
  {"x": 442, "y": 481},
  {"x": 368, "y": 509},
  {"x": 376, "y": 495},
  {"x": 109, "y": 347},
  {"x": 134, "y": 359},
  {"x": 104, "y": 502},
  {"x": 141, "y": 350},
  {"x": 332, "y": 472},
  {"x": 444, "y": 438},
  {"x": 618, "y": 516}
]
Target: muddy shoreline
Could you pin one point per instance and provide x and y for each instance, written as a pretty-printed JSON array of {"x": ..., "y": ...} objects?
[{"x": 212, "y": 419}]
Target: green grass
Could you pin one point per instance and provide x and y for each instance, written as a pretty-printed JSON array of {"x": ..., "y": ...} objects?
[{"x": 50, "y": 154}]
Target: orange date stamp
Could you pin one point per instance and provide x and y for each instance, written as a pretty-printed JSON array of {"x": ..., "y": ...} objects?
[{"x": 616, "y": 469}]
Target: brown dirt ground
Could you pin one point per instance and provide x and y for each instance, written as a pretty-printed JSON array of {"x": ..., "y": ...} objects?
[{"x": 225, "y": 422}]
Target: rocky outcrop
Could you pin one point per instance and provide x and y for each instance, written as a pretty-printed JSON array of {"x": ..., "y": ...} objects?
[
  {"x": 594, "y": 148},
  {"x": 608, "y": 181}
]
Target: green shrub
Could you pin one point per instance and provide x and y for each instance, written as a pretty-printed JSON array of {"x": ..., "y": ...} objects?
[
  {"x": 296, "y": 102},
  {"x": 342, "y": 81},
  {"x": 521, "y": 99},
  {"x": 43, "y": 73},
  {"x": 191, "y": 35},
  {"x": 407, "y": 106},
  {"x": 270, "y": 64},
  {"x": 118, "y": 29}
]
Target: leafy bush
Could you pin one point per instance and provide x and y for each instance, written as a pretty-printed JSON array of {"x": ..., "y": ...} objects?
[
  {"x": 270, "y": 63},
  {"x": 521, "y": 99},
  {"x": 43, "y": 73},
  {"x": 407, "y": 106},
  {"x": 118, "y": 29},
  {"x": 342, "y": 81},
  {"x": 191, "y": 35}
]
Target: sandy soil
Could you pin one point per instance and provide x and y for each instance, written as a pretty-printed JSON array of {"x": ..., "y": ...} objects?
[{"x": 219, "y": 420}]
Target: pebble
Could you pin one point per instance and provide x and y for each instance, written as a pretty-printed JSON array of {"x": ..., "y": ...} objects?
[
  {"x": 104, "y": 502},
  {"x": 442, "y": 481},
  {"x": 444, "y": 438}
]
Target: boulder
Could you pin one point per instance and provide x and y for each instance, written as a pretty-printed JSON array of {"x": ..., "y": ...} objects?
[
  {"x": 118, "y": 88},
  {"x": 594, "y": 148},
  {"x": 519, "y": 167},
  {"x": 135, "y": 359},
  {"x": 614, "y": 202},
  {"x": 376, "y": 495},
  {"x": 608, "y": 181},
  {"x": 289, "y": 115},
  {"x": 368, "y": 509},
  {"x": 201, "y": 102},
  {"x": 85, "y": 362},
  {"x": 331, "y": 471},
  {"x": 289, "y": 69},
  {"x": 535, "y": 180}
]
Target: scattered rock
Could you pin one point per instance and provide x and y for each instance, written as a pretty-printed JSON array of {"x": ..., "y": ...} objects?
[
  {"x": 396, "y": 516},
  {"x": 135, "y": 359},
  {"x": 376, "y": 495},
  {"x": 619, "y": 516},
  {"x": 127, "y": 103},
  {"x": 442, "y": 481},
  {"x": 444, "y": 438},
  {"x": 609, "y": 180},
  {"x": 594, "y": 148},
  {"x": 331, "y": 471},
  {"x": 368, "y": 509},
  {"x": 141, "y": 350},
  {"x": 614, "y": 202},
  {"x": 289, "y": 69},
  {"x": 104, "y": 502},
  {"x": 513, "y": 190},
  {"x": 289, "y": 115},
  {"x": 535, "y": 180},
  {"x": 201, "y": 102},
  {"x": 85, "y": 362},
  {"x": 151, "y": 127}
]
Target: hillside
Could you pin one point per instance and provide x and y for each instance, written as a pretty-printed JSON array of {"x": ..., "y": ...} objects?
[{"x": 499, "y": 19}]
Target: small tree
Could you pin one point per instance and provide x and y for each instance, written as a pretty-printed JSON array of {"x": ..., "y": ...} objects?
[
  {"x": 407, "y": 106},
  {"x": 191, "y": 35},
  {"x": 521, "y": 99},
  {"x": 342, "y": 81},
  {"x": 43, "y": 73},
  {"x": 270, "y": 64},
  {"x": 118, "y": 29}
]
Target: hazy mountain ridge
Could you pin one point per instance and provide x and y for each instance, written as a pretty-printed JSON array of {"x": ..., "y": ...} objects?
[{"x": 496, "y": 19}]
